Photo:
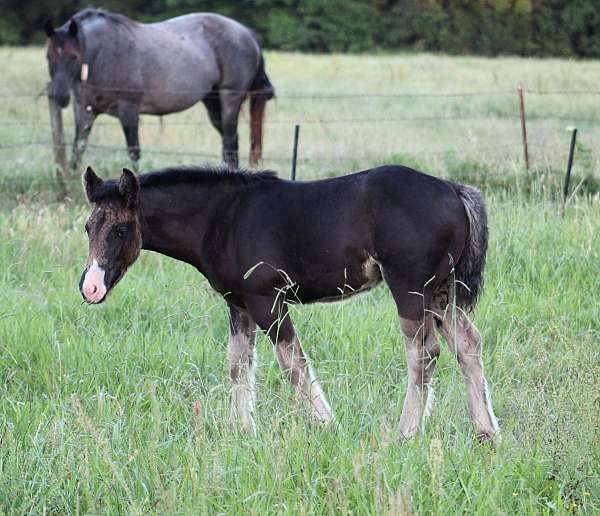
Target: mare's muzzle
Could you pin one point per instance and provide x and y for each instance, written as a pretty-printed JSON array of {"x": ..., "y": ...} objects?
[
  {"x": 61, "y": 89},
  {"x": 62, "y": 100}
]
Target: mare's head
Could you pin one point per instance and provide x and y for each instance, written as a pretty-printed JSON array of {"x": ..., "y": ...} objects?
[
  {"x": 114, "y": 232},
  {"x": 65, "y": 55}
]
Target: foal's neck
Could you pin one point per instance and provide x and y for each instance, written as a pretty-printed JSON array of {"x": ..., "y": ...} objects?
[{"x": 175, "y": 219}]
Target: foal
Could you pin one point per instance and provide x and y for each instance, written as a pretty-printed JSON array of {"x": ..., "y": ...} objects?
[{"x": 263, "y": 242}]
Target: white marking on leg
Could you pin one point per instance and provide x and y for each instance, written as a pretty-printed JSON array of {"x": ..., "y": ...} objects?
[
  {"x": 422, "y": 351},
  {"x": 93, "y": 287},
  {"x": 294, "y": 362},
  {"x": 315, "y": 398},
  {"x": 242, "y": 363},
  {"x": 429, "y": 403},
  {"x": 490, "y": 409},
  {"x": 465, "y": 341}
]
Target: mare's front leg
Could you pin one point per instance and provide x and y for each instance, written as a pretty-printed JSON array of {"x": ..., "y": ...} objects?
[
  {"x": 274, "y": 319},
  {"x": 84, "y": 120},
  {"x": 129, "y": 116},
  {"x": 422, "y": 352},
  {"x": 242, "y": 367}
]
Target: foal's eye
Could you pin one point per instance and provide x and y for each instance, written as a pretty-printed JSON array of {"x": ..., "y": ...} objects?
[
  {"x": 87, "y": 229},
  {"x": 122, "y": 231}
]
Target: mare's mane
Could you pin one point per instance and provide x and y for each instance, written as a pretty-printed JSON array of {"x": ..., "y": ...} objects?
[{"x": 95, "y": 12}]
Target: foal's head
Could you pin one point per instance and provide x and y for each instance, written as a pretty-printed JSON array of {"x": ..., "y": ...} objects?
[
  {"x": 64, "y": 55},
  {"x": 114, "y": 232}
]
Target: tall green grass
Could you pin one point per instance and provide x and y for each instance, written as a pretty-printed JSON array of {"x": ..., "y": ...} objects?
[{"x": 124, "y": 407}]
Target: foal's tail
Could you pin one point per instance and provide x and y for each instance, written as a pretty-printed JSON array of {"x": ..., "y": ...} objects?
[
  {"x": 261, "y": 90},
  {"x": 468, "y": 272}
]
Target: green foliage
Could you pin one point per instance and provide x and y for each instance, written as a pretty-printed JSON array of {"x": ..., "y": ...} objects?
[{"x": 522, "y": 27}]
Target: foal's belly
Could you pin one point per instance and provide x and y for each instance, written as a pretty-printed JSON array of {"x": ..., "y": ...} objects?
[{"x": 351, "y": 283}]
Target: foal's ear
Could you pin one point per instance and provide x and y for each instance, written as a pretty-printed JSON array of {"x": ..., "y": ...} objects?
[
  {"x": 91, "y": 182},
  {"x": 49, "y": 27},
  {"x": 73, "y": 28},
  {"x": 129, "y": 188}
]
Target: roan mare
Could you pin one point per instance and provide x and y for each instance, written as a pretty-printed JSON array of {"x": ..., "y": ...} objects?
[
  {"x": 264, "y": 242},
  {"x": 117, "y": 66}
]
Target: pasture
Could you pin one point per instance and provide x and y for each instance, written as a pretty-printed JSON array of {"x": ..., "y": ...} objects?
[{"x": 123, "y": 408}]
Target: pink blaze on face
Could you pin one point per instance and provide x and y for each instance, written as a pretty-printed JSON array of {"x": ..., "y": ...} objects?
[{"x": 93, "y": 287}]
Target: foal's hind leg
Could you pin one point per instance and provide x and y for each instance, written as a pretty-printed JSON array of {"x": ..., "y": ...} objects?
[
  {"x": 422, "y": 351},
  {"x": 242, "y": 365},
  {"x": 466, "y": 344}
]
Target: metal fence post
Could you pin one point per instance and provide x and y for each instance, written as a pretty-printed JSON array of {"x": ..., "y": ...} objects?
[
  {"x": 569, "y": 165},
  {"x": 295, "y": 154}
]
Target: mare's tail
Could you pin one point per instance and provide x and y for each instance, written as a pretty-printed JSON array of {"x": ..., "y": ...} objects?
[
  {"x": 468, "y": 272},
  {"x": 261, "y": 90}
]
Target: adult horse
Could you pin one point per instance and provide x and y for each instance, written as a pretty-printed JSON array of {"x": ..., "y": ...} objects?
[
  {"x": 263, "y": 242},
  {"x": 117, "y": 66}
]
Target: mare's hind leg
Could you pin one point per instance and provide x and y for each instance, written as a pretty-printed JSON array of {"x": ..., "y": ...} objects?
[
  {"x": 422, "y": 352},
  {"x": 231, "y": 103},
  {"x": 242, "y": 365},
  {"x": 466, "y": 344},
  {"x": 212, "y": 102},
  {"x": 129, "y": 116},
  {"x": 290, "y": 355}
]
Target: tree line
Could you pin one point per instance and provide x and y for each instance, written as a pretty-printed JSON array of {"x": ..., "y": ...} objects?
[{"x": 484, "y": 27}]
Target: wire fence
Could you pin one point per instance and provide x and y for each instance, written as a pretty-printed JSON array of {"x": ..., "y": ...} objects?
[
  {"x": 315, "y": 95},
  {"x": 509, "y": 113}
]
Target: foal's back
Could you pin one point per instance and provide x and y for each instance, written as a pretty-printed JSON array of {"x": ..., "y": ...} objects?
[{"x": 327, "y": 234}]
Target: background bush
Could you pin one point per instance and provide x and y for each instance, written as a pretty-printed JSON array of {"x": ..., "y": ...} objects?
[{"x": 521, "y": 27}]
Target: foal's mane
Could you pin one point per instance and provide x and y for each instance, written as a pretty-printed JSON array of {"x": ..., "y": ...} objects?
[{"x": 188, "y": 176}]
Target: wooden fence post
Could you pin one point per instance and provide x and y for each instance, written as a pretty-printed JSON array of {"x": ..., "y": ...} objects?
[{"x": 523, "y": 126}]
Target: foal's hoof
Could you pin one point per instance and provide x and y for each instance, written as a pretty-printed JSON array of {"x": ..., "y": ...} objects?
[
  {"x": 245, "y": 425},
  {"x": 321, "y": 419},
  {"x": 490, "y": 438}
]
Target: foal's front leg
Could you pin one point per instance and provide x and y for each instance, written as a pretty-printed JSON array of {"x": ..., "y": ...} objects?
[
  {"x": 242, "y": 366},
  {"x": 294, "y": 363},
  {"x": 291, "y": 357}
]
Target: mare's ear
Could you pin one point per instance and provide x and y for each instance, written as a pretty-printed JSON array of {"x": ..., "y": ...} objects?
[
  {"x": 129, "y": 188},
  {"x": 91, "y": 182},
  {"x": 49, "y": 27},
  {"x": 73, "y": 28}
]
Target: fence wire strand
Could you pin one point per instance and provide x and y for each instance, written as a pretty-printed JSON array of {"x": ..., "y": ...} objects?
[
  {"x": 305, "y": 157},
  {"x": 323, "y": 95}
]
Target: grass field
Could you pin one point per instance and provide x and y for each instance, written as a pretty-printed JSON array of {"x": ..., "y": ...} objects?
[{"x": 123, "y": 408}]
